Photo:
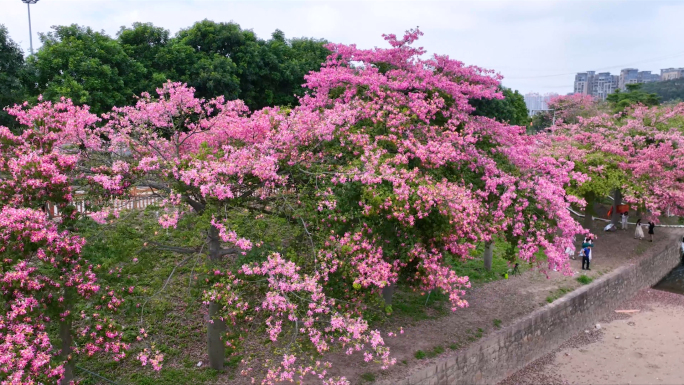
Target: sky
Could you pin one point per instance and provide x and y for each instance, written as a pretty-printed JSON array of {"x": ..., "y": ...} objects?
[{"x": 537, "y": 46}]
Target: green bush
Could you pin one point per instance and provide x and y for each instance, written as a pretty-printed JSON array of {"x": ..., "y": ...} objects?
[{"x": 584, "y": 280}]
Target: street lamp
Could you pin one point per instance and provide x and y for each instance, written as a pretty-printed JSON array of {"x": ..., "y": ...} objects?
[{"x": 28, "y": 5}]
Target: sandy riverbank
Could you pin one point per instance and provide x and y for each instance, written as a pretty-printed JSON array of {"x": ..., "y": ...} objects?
[{"x": 643, "y": 348}]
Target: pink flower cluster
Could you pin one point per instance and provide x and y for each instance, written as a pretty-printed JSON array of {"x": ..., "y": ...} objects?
[
  {"x": 295, "y": 305},
  {"x": 640, "y": 152}
]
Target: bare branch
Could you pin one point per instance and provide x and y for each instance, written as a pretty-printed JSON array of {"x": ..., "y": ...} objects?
[
  {"x": 231, "y": 250},
  {"x": 142, "y": 309},
  {"x": 175, "y": 249}
]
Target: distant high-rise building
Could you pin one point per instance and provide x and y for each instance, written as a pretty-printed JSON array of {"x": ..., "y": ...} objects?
[
  {"x": 628, "y": 76},
  {"x": 597, "y": 85},
  {"x": 546, "y": 98},
  {"x": 536, "y": 102},
  {"x": 671, "y": 73},
  {"x": 532, "y": 101},
  {"x": 634, "y": 76},
  {"x": 603, "y": 84}
]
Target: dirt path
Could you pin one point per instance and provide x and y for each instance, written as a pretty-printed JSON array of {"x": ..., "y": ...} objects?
[{"x": 642, "y": 348}]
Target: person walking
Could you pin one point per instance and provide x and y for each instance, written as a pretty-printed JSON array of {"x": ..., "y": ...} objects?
[
  {"x": 651, "y": 227},
  {"x": 587, "y": 247},
  {"x": 624, "y": 220},
  {"x": 639, "y": 232}
]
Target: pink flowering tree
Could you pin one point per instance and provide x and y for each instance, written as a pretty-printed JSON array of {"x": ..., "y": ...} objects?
[
  {"x": 634, "y": 156},
  {"x": 44, "y": 280},
  {"x": 409, "y": 181},
  {"x": 381, "y": 173},
  {"x": 568, "y": 109}
]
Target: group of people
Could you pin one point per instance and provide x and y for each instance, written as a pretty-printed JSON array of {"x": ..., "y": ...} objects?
[
  {"x": 639, "y": 232},
  {"x": 588, "y": 243}
]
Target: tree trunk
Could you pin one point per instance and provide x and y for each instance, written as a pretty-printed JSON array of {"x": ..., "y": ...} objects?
[
  {"x": 589, "y": 211},
  {"x": 488, "y": 255},
  {"x": 388, "y": 293},
  {"x": 617, "y": 201},
  {"x": 216, "y": 327},
  {"x": 67, "y": 343}
]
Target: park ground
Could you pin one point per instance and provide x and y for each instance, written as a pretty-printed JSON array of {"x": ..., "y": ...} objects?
[{"x": 431, "y": 331}]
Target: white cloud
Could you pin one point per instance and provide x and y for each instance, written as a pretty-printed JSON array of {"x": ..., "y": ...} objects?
[{"x": 525, "y": 40}]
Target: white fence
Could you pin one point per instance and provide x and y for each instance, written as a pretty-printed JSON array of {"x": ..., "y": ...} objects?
[{"x": 141, "y": 198}]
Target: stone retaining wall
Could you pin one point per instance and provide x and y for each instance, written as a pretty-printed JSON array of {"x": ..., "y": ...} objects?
[{"x": 508, "y": 350}]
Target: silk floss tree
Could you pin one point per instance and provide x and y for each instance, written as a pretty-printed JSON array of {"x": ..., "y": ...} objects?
[
  {"x": 409, "y": 180},
  {"x": 213, "y": 163},
  {"x": 380, "y": 173},
  {"x": 634, "y": 155},
  {"x": 54, "y": 307}
]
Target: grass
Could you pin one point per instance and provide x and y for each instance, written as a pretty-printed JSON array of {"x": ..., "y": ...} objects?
[
  {"x": 497, "y": 323},
  {"x": 437, "y": 350},
  {"x": 584, "y": 280},
  {"x": 474, "y": 336},
  {"x": 368, "y": 377},
  {"x": 416, "y": 306},
  {"x": 641, "y": 247},
  {"x": 454, "y": 346},
  {"x": 434, "y": 352},
  {"x": 557, "y": 294},
  {"x": 474, "y": 268}
]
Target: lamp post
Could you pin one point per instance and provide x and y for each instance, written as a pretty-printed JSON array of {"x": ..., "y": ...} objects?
[{"x": 28, "y": 5}]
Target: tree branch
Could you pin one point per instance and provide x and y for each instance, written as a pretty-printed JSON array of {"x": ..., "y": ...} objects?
[
  {"x": 197, "y": 206},
  {"x": 231, "y": 250},
  {"x": 175, "y": 249}
]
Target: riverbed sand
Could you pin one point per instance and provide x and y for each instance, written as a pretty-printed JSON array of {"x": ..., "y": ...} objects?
[{"x": 647, "y": 348}]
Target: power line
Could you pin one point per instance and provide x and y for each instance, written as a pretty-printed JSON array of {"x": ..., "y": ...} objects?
[{"x": 600, "y": 69}]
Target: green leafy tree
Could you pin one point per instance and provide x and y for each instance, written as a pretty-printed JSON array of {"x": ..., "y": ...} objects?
[
  {"x": 211, "y": 73},
  {"x": 216, "y": 59},
  {"x": 146, "y": 44},
  {"x": 87, "y": 66},
  {"x": 11, "y": 68},
  {"x": 269, "y": 72},
  {"x": 668, "y": 91},
  {"x": 511, "y": 109},
  {"x": 540, "y": 122},
  {"x": 620, "y": 100}
]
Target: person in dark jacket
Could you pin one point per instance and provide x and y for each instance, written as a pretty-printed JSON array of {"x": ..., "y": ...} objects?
[{"x": 651, "y": 226}]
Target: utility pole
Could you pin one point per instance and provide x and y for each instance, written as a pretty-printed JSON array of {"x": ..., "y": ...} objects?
[{"x": 28, "y": 5}]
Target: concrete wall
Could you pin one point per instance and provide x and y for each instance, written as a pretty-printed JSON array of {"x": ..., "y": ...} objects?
[{"x": 508, "y": 350}]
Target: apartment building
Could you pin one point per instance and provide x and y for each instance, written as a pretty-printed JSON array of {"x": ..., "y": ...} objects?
[
  {"x": 600, "y": 85},
  {"x": 536, "y": 102},
  {"x": 671, "y": 74},
  {"x": 634, "y": 76},
  {"x": 597, "y": 85}
]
